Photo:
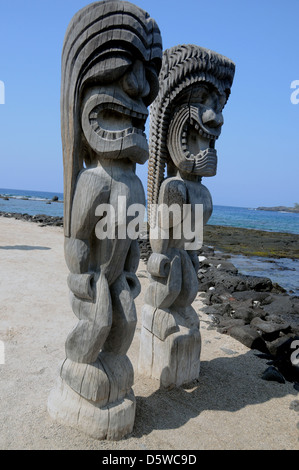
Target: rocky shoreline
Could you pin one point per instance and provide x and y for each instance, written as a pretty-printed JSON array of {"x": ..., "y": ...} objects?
[
  {"x": 44, "y": 220},
  {"x": 253, "y": 310}
]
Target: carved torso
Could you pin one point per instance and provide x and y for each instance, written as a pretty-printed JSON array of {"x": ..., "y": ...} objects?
[{"x": 105, "y": 184}]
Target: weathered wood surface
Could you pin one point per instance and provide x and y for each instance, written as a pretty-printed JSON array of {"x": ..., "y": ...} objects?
[
  {"x": 186, "y": 121},
  {"x": 110, "y": 64}
]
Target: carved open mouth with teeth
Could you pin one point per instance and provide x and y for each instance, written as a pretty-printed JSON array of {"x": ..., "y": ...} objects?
[
  {"x": 198, "y": 142},
  {"x": 112, "y": 121},
  {"x": 114, "y": 125},
  {"x": 192, "y": 143},
  {"x": 195, "y": 139},
  {"x": 197, "y": 135}
]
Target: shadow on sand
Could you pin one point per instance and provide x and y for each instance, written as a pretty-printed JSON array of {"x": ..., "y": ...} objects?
[
  {"x": 225, "y": 384},
  {"x": 24, "y": 247}
]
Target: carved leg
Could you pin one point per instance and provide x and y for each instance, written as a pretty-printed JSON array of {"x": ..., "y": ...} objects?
[
  {"x": 124, "y": 315},
  {"x": 169, "y": 349},
  {"x": 94, "y": 392},
  {"x": 170, "y": 342},
  {"x": 104, "y": 405}
]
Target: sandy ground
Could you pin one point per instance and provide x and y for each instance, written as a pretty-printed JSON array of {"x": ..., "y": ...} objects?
[{"x": 229, "y": 407}]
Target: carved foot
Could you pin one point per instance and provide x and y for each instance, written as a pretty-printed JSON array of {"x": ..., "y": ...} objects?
[
  {"x": 169, "y": 351},
  {"x": 112, "y": 422},
  {"x": 96, "y": 398}
]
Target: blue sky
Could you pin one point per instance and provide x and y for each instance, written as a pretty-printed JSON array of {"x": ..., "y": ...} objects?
[{"x": 258, "y": 150}]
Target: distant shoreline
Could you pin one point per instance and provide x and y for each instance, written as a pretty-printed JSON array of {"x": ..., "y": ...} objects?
[
  {"x": 25, "y": 198},
  {"x": 279, "y": 209}
]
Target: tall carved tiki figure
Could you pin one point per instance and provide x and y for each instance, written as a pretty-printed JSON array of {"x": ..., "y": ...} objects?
[
  {"x": 186, "y": 121},
  {"x": 110, "y": 64}
]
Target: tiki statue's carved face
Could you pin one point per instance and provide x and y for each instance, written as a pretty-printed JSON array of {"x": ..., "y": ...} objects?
[
  {"x": 114, "y": 111},
  {"x": 195, "y": 128}
]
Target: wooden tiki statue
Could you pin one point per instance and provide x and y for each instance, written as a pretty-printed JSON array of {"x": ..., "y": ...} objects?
[
  {"x": 110, "y": 64},
  {"x": 186, "y": 121}
]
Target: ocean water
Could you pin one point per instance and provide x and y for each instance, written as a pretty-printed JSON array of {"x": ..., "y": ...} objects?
[
  {"x": 31, "y": 202},
  {"x": 285, "y": 222},
  {"x": 283, "y": 271}
]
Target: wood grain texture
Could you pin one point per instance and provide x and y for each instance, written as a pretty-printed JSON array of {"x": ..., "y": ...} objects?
[
  {"x": 186, "y": 121},
  {"x": 110, "y": 63}
]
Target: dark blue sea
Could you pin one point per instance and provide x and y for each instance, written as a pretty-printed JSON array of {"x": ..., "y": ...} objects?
[
  {"x": 283, "y": 271},
  {"x": 255, "y": 219},
  {"x": 31, "y": 202}
]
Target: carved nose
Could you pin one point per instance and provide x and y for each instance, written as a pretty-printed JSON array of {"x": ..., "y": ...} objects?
[
  {"x": 212, "y": 119},
  {"x": 135, "y": 82}
]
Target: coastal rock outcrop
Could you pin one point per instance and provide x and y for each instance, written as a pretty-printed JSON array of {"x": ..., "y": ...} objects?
[
  {"x": 253, "y": 310},
  {"x": 280, "y": 209}
]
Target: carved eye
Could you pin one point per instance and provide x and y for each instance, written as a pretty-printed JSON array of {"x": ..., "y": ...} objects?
[
  {"x": 203, "y": 96},
  {"x": 130, "y": 83},
  {"x": 153, "y": 80},
  {"x": 222, "y": 102},
  {"x": 200, "y": 94},
  {"x": 111, "y": 68}
]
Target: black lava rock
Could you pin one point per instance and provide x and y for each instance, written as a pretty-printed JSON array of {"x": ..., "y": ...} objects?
[{"x": 272, "y": 374}]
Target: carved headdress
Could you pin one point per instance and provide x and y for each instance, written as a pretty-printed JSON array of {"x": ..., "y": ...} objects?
[
  {"x": 182, "y": 67},
  {"x": 96, "y": 48}
]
